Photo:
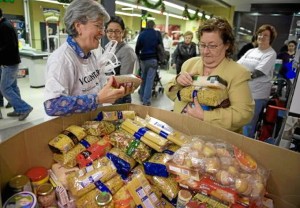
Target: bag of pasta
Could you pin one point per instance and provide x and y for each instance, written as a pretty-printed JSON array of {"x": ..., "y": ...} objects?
[
  {"x": 99, "y": 128},
  {"x": 67, "y": 139},
  {"x": 122, "y": 162},
  {"x": 69, "y": 159},
  {"x": 82, "y": 181},
  {"x": 206, "y": 96},
  {"x": 111, "y": 186},
  {"x": 127, "y": 143}
]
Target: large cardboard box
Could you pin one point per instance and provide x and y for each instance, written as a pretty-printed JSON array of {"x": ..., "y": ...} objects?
[{"x": 29, "y": 148}]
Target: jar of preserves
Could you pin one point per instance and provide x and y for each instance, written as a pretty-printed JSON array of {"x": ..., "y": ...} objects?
[
  {"x": 46, "y": 196},
  {"x": 38, "y": 176},
  {"x": 19, "y": 183},
  {"x": 104, "y": 200}
]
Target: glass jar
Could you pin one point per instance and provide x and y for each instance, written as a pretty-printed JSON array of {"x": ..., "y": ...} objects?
[
  {"x": 38, "y": 176},
  {"x": 19, "y": 183},
  {"x": 104, "y": 200},
  {"x": 46, "y": 195}
]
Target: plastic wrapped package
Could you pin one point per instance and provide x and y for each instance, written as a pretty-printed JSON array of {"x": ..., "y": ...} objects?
[
  {"x": 205, "y": 96},
  {"x": 131, "y": 146},
  {"x": 123, "y": 199},
  {"x": 68, "y": 159},
  {"x": 99, "y": 128},
  {"x": 156, "y": 165},
  {"x": 61, "y": 173},
  {"x": 115, "y": 115},
  {"x": 163, "y": 130},
  {"x": 82, "y": 181},
  {"x": 122, "y": 162},
  {"x": 67, "y": 139},
  {"x": 92, "y": 153},
  {"x": 112, "y": 186},
  {"x": 212, "y": 166}
]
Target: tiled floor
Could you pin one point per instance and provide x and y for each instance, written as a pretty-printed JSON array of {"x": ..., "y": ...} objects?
[{"x": 34, "y": 96}]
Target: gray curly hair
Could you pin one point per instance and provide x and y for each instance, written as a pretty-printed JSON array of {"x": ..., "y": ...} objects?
[{"x": 83, "y": 11}]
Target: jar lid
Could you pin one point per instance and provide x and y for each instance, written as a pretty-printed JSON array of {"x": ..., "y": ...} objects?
[
  {"x": 37, "y": 173},
  {"x": 44, "y": 189},
  {"x": 103, "y": 198},
  {"x": 185, "y": 195},
  {"x": 18, "y": 181}
]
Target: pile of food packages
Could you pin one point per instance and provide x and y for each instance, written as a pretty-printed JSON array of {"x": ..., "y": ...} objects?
[{"x": 124, "y": 161}]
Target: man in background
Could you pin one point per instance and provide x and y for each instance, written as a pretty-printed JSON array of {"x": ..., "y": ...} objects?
[
  {"x": 9, "y": 66},
  {"x": 146, "y": 51}
]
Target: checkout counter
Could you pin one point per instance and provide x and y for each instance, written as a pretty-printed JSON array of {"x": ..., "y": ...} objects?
[{"x": 35, "y": 61}]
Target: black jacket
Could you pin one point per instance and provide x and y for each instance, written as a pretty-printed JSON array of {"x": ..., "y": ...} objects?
[
  {"x": 183, "y": 52},
  {"x": 9, "y": 47}
]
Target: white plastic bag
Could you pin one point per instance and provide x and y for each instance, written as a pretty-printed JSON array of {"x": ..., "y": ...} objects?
[{"x": 108, "y": 61}]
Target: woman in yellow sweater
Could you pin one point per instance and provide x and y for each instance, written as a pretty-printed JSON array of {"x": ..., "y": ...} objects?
[{"x": 216, "y": 44}]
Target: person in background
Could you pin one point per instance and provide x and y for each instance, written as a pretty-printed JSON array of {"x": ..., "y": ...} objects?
[
  {"x": 260, "y": 62},
  {"x": 167, "y": 42},
  {"x": 247, "y": 47},
  {"x": 287, "y": 58},
  {"x": 216, "y": 43},
  {"x": 115, "y": 29},
  {"x": 74, "y": 82},
  {"x": 184, "y": 51},
  {"x": 146, "y": 50},
  {"x": 9, "y": 67}
]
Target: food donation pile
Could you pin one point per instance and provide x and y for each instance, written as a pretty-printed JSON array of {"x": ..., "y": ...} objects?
[{"x": 124, "y": 161}]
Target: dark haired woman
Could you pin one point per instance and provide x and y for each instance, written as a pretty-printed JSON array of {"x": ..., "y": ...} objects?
[{"x": 115, "y": 30}]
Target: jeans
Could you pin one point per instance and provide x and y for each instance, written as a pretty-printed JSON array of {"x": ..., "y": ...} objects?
[
  {"x": 148, "y": 68},
  {"x": 10, "y": 89},
  {"x": 249, "y": 130}
]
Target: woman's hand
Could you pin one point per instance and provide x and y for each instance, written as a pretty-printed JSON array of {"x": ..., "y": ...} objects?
[
  {"x": 184, "y": 79},
  {"x": 196, "y": 111},
  {"x": 108, "y": 94}
]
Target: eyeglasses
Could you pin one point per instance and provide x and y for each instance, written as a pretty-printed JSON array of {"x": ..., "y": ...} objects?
[
  {"x": 263, "y": 36},
  {"x": 210, "y": 47},
  {"x": 117, "y": 32}
]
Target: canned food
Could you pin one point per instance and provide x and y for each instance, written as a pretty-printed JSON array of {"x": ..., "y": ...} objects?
[
  {"x": 19, "y": 183},
  {"x": 23, "y": 199}
]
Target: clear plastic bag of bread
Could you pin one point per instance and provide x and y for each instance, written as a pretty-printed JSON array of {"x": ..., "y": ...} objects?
[{"x": 227, "y": 164}]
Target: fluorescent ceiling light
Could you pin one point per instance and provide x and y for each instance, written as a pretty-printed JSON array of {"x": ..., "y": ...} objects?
[
  {"x": 128, "y": 14},
  {"x": 53, "y": 2},
  {"x": 127, "y": 8}
]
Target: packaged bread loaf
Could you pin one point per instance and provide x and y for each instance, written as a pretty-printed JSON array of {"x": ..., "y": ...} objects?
[
  {"x": 111, "y": 186},
  {"x": 67, "y": 139},
  {"x": 69, "y": 159},
  {"x": 82, "y": 181},
  {"x": 128, "y": 144},
  {"x": 99, "y": 128},
  {"x": 115, "y": 115}
]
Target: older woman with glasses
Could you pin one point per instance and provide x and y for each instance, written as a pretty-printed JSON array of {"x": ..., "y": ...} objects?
[
  {"x": 115, "y": 30},
  {"x": 74, "y": 82},
  {"x": 216, "y": 44},
  {"x": 260, "y": 62}
]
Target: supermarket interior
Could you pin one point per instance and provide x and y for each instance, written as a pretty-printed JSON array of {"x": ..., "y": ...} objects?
[{"x": 154, "y": 154}]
